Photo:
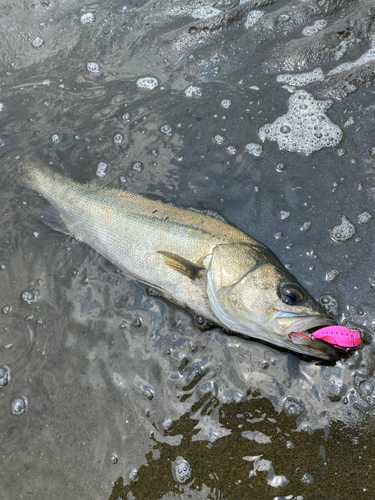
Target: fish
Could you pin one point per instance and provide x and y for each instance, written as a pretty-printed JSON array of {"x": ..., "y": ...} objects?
[{"x": 196, "y": 261}]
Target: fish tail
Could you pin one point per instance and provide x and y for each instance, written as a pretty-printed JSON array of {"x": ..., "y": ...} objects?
[
  {"x": 51, "y": 185},
  {"x": 34, "y": 175}
]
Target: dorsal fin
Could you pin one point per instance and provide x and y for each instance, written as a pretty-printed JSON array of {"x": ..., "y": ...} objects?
[{"x": 182, "y": 265}]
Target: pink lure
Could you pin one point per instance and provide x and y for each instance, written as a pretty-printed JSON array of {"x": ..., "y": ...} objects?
[{"x": 339, "y": 336}]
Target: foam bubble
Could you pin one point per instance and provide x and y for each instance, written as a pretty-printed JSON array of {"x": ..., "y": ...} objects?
[
  {"x": 341, "y": 49},
  {"x": 181, "y": 470},
  {"x": 167, "y": 424},
  {"x": 148, "y": 82},
  {"x": 193, "y": 91},
  {"x": 231, "y": 150},
  {"x": 149, "y": 392},
  {"x": 138, "y": 322},
  {"x": 330, "y": 304},
  {"x": 366, "y": 388},
  {"x": 87, "y": 18},
  {"x": 37, "y": 43},
  {"x": 301, "y": 79},
  {"x": 93, "y": 67},
  {"x": 307, "y": 478},
  {"x": 19, "y": 406},
  {"x": 310, "y": 31},
  {"x": 7, "y": 309},
  {"x": 253, "y": 17},
  {"x": 349, "y": 122},
  {"x": 4, "y": 376},
  {"x": 276, "y": 481},
  {"x": 118, "y": 139},
  {"x": 364, "y": 218},
  {"x": 123, "y": 324},
  {"x": 331, "y": 275},
  {"x": 320, "y": 24},
  {"x": 305, "y": 127},
  {"x": 285, "y": 129},
  {"x": 344, "y": 231},
  {"x": 292, "y": 406},
  {"x": 284, "y": 214},
  {"x": 138, "y": 166},
  {"x": 166, "y": 129},
  {"x": 102, "y": 169},
  {"x": 364, "y": 59},
  {"x": 205, "y": 12},
  {"x": 219, "y": 139},
  {"x": 133, "y": 475},
  {"x": 28, "y": 296},
  {"x": 281, "y": 167},
  {"x": 313, "y": 30},
  {"x": 254, "y": 149}
]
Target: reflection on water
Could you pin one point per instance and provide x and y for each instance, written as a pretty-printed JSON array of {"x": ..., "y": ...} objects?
[{"x": 106, "y": 390}]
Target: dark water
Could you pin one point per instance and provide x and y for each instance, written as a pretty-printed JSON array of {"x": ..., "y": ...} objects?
[{"x": 109, "y": 392}]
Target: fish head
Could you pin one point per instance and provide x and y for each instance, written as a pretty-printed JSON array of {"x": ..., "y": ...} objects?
[{"x": 252, "y": 293}]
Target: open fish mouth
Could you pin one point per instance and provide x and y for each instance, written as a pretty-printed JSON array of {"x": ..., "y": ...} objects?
[
  {"x": 303, "y": 324},
  {"x": 311, "y": 329},
  {"x": 306, "y": 344}
]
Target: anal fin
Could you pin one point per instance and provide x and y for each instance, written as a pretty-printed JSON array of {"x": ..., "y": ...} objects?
[
  {"x": 183, "y": 266},
  {"x": 53, "y": 219}
]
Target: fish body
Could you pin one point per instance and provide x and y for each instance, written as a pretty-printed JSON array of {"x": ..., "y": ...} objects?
[{"x": 201, "y": 263}]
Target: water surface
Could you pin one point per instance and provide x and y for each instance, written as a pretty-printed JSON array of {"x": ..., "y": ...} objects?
[{"x": 110, "y": 392}]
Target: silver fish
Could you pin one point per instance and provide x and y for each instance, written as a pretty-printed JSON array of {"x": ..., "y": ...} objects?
[{"x": 201, "y": 263}]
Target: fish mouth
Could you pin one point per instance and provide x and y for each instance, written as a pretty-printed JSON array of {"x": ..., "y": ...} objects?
[
  {"x": 301, "y": 324},
  {"x": 308, "y": 325},
  {"x": 313, "y": 326}
]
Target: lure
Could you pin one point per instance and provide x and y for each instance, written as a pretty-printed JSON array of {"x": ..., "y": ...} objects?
[{"x": 338, "y": 336}]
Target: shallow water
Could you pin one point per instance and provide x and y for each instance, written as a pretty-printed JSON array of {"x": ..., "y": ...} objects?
[{"x": 118, "y": 393}]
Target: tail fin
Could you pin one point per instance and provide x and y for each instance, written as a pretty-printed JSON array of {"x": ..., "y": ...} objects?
[
  {"x": 32, "y": 174},
  {"x": 51, "y": 185},
  {"x": 60, "y": 191}
]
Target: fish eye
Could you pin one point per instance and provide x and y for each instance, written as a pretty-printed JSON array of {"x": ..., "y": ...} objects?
[{"x": 291, "y": 294}]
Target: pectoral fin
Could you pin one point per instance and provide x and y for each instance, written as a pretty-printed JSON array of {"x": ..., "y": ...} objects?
[{"x": 182, "y": 265}]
